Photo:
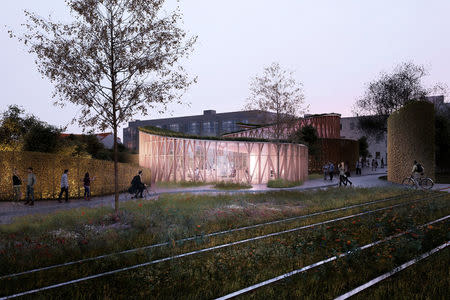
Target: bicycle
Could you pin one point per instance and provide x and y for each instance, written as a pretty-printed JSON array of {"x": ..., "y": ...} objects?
[
  {"x": 425, "y": 183},
  {"x": 146, "y": 193}
]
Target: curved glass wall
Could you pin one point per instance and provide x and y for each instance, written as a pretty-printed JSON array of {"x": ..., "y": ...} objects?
[{"x": 180, "y": 159}]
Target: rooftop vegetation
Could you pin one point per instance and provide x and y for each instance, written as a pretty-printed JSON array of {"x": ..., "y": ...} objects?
[{"x": 169, "y": 133}]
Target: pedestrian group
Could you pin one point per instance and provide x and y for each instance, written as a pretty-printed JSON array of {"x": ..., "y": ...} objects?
[{"x": 31, "y": 183}]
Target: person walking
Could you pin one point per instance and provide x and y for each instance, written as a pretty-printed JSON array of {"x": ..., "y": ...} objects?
[
  {"x": 358, "y": 167},
  {"x": 347, "y": 173},
  {"x": 341, "y": 169},
  {"x": 87, "y": 186},
  {"x": 331, "y": 170},
  {"x": 17, "y": 184},
  {"x": 64, "y": 186},
  {"x": 382, "y": 163},
  {"x": 325, "y": 171},
  {"x": 31, "y": 182}
]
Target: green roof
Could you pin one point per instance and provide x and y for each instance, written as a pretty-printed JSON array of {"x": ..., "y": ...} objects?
[{"x": 169, "y": 133}]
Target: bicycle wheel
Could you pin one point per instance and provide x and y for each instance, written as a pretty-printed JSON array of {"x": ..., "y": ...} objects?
[
  {"x": 426, "y": 183},
  {"x": 409, "y": 183}
]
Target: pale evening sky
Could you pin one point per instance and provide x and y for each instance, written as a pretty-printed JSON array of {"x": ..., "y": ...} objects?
[{"x": 334, "y": 47}]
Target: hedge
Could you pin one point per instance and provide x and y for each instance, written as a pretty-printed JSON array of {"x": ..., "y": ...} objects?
[
  {"x": 48, "y": 169},
  {"x": 411, "y": 135}
]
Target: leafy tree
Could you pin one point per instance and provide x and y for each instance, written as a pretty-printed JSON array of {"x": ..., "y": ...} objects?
[
  {"x": 308, "y": 136},
  {"x": 116, "y": 59},
  {"x": 388, "y": 93},
  {"x": 14, "y": 124},
  {"x": 278, "y": 92},
  {"x": 363, "y": 147},
  {"x": 42, "y": 138}
]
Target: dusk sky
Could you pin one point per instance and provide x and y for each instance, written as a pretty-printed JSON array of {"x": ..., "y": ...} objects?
[{"x": 334, "y": 47}]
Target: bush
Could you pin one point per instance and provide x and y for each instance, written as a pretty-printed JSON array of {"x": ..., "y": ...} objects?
[
  {"x": 281, "y": 183},
  {"x": 232, "y": 185}
]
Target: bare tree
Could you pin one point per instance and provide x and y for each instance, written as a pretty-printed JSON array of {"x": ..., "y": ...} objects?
[
  {"x": 117, "y": 58},
  {"x": 278, "y": 92}
]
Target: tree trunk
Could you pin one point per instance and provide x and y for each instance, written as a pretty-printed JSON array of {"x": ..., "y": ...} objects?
[
  {"x": 116, "y": 174},
  {"x": 278, "y": 161}
]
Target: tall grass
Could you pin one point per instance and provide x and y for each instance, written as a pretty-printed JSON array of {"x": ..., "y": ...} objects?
[{"x": 48, "y": 239}]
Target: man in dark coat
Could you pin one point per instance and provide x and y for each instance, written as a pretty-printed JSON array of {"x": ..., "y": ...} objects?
[{"x": 137, "y": 185}]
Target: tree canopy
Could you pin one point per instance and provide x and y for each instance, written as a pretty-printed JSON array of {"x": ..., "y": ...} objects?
[
  {"x": 308, "y": 136},
  {"x": 390, "y": 92},
  {"x": 118, "y": 58},
  {"x": 277, "y": 91}
]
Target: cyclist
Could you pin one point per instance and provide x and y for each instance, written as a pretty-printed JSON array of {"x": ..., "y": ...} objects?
[{"x": 417, "y": 171}]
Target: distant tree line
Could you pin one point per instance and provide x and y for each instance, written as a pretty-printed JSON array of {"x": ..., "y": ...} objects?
[{"x": 24, "y": 132}]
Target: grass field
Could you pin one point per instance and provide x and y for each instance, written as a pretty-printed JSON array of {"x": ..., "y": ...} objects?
[{"x": 65, "y": 236}]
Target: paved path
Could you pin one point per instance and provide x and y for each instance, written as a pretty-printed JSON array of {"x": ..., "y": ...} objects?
[{"x": 8, "y": 210}]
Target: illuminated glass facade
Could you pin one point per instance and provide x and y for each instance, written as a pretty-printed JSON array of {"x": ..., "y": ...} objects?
[{"x": 182, "y": 159}]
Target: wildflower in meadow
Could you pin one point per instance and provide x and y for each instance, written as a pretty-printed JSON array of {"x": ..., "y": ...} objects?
[{"x": 83, "y": 213}]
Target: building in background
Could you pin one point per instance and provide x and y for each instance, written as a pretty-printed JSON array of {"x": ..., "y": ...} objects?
[
  {"x": 208, "y": 124},
  {"x": 377, "y": 145},
  {"x": 106, "y": 138}
]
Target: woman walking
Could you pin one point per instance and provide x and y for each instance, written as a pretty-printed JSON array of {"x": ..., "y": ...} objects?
[
  {"x": 341, "y": 169},
  {"x": 87, "y": 186},
  {"x": 347, "y": 173}
]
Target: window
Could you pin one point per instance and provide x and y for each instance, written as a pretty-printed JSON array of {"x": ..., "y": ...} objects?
[
  {"x": 352, "y": 125},
  {"x": 209, "y": 128},
  {"x": 341, "y": 126},
  {"x": 194, "y": 128},
  {"x": 174, "y": 127},
  {"x": 228, "y": 126},
  {"x": 377, "y": 155}
]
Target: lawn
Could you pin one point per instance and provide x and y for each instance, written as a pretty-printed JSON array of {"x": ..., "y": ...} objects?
[
  {"x": 69, "y": 235},
  {"x": 180, "y": 184}
]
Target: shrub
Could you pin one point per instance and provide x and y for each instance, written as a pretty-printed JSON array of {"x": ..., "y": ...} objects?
[
  {"x": 281, "y": 183},
  {"x": 223, "y": 185}
]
